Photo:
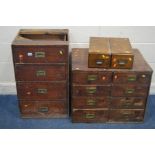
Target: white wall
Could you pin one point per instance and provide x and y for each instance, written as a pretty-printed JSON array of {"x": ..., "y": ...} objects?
[{"x": 142, "y": 38}]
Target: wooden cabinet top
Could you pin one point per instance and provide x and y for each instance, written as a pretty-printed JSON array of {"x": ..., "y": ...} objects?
[
  {"x": 80, "y": 62},
  {"x": 42, "y": 37}
]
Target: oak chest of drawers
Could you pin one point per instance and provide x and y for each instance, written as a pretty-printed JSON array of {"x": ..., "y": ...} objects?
[
  {"x": 41, "y": 61},
  {"x": 109, "y": 95}
]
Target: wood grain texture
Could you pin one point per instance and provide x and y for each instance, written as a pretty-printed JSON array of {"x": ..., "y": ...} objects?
[{"x": 41, "y": 64}]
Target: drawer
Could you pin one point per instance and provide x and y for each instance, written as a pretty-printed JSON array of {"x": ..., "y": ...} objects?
[
  {"x": 122, "y": 61},
  {"x": 128, "y": 102},
  {"x": 40, "y": 72},
  {"x": 54, "y": 109},
  {"x": 41, "y": 90},
  {"x": 131, "y": 77},
  {"x": 91, "y": 91},
  {"x": 80, "y": 77},
  {"x": 40, "y": 54},
  {"x": 129, "y": 90},
  {"x": 89, "y": 116},
  {"x": 99, "y": 60},
  {"x": 99, "y": 55},
  {"x": 126, "y": 115},
  {"x": 90, "y": 102}
]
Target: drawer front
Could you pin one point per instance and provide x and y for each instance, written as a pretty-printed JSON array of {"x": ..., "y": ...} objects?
[
  {"x": 126, "y": 115},
  {"x": 99, "y": 61},
  {"x": 91, "y": 91},
  {"x": 128, "y": 102},
  {"x": 143, "y": 78},
  {"x": 129, "y": 90},
  {"x": 41, "y": 90},
  {"x": 122, "y": 61},
  {"x": 90, "y": 102},
  {"x": 38, "y": 54},
  {"x": 40, "y": 72},
  {"x": 45, "y": 109},
  {"x": 89, "y": 116},
  {"x": 91, "y": 77}
]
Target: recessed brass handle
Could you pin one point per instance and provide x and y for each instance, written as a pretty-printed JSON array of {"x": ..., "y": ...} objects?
[
  {"x": 90, "y": 116},
  {"x": 91, "y": 90},
  {"x": 91, "y": 102},
  {"x": 41, "y": 91},
  {"x": 92, "y": 77},
  {"x": 40, "y": 73},
  {"x": 131, "y": 78},
  {"x": 39, "y": 54},
  {"x": 130, "y": 91},
  {"x": 138, "y": 103},
  {"x": 127, "y": 104},
  {"x": 43, "y": 109},
  {"x": 126, "y": 115}
]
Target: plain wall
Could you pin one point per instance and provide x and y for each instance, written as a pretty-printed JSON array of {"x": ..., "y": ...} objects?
[{"x": 142, "y": 38}]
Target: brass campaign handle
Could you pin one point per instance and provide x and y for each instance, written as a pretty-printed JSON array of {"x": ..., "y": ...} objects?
[
  {"x": 41, "y": 91},
  {"x": 39, "y": 54},
  {"x": 126, "y": 115},
  {"x": 92, "y": 77},
  {"x": 130, "y": 91},
  {"x": 91, "y": 90},
  {"x": 91, "y": 102},
  {"x": 90, "y": 116},
  {"x": 131, "y": 78},
  {"x": 43, "y": 109},
  {"x": 40, "y": 73}
]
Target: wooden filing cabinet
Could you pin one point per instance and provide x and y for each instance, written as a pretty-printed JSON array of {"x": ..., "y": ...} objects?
[
  {"x": 41, "y": 64},
  {"x": 109, "y": 95}
]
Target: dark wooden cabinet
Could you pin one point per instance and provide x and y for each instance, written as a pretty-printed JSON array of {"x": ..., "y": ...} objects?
[
  {"x": 41, "y": 63},
  {"x": 109, "y": 95}
]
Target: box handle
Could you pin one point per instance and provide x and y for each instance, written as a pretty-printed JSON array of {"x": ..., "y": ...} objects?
[
  {"x": 92, "y": 77},
  {"x": 91, "y": 90},
  {"x": 91, "y": 102},
  {"x": 40, "y": 73},
  {"x": 90, "y": 116},
  {"x": 43, "y": 109},
  {"x": 39, "y": 54},
  {"x": 41, "y": 91},
  {"x": 122, "y": 62}
]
